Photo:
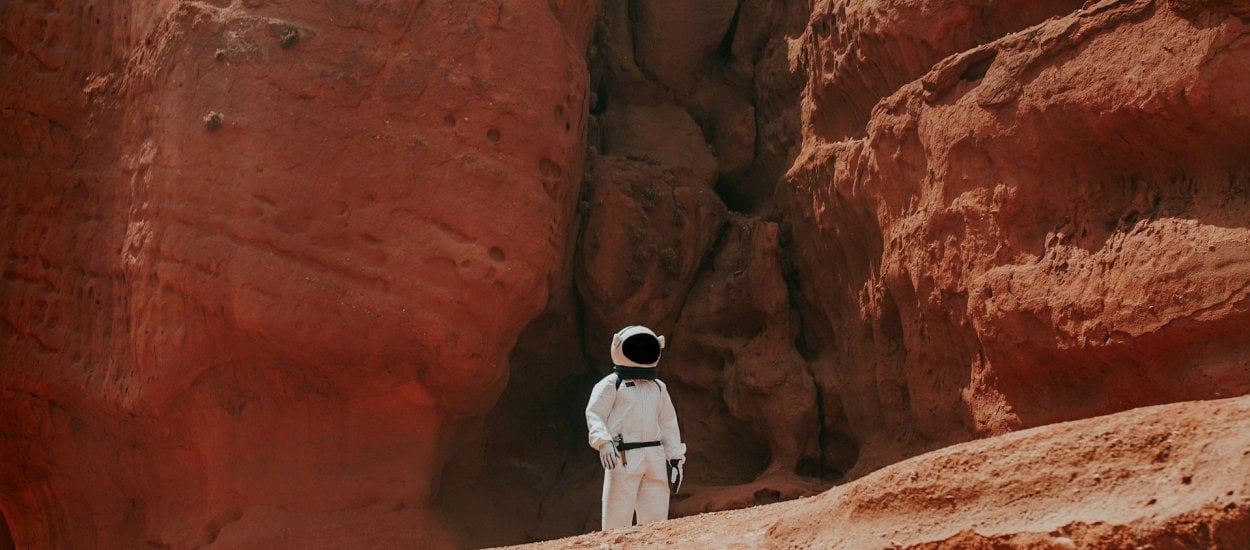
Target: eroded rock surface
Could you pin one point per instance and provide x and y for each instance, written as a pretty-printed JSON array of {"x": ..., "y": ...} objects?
[
  {"x": 264, "y": 254},
  {"x": 992, "y": 216},
  {"x": 349, "y": 270},
  {"x": 1039, "y": 228}
]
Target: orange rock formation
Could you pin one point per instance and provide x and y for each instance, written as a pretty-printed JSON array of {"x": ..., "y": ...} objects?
[{"x": 344, "y": 273}]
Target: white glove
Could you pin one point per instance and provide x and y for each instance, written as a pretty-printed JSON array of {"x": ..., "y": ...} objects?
[
  {"x": 676, "y": 473},
  {"x": 608, "y": 456}
]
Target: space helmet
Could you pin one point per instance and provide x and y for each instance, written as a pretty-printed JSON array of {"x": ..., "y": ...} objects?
[{"x": 636, "y": 346}]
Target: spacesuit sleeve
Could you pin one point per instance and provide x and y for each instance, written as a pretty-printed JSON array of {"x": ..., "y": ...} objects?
[
  {"x": 597, "y": 410},
  {"x": 670, "y": 434}
]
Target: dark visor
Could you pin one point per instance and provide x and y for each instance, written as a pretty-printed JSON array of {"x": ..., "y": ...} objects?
[{"x": 643, "y": 349}]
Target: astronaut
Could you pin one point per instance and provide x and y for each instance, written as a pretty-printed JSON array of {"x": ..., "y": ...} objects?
[{"x": 634, "y": 427}]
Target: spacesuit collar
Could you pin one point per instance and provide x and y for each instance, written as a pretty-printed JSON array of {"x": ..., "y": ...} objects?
[{"x": 635, "y": 373}]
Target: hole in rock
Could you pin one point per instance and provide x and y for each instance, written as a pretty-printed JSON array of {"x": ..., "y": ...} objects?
[
  {"x": 735, "y": 199},
  {"x": 549, "y": 169},
  {"x": 977, "y": 69}
]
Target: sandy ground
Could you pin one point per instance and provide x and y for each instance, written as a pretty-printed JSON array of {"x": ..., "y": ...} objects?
[{"x": 1170, "y": 476}]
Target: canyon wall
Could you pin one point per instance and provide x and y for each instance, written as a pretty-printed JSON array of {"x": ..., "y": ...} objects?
[
  {"x": 1047, "y": 226},
  {"x": 259, "y": 256},
  {"x": 958, "y": 219},
  {"x": 345, "y": 272}
]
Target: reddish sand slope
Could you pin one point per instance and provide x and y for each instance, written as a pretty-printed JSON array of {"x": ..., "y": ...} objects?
[{"x": 1169, "y": 476}]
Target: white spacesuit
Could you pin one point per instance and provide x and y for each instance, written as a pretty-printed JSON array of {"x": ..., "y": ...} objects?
[{"x": 634, "y": 427}]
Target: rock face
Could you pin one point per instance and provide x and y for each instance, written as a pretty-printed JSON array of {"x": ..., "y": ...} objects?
[
  {"x": 959, "y": 219},
  {"x": 346, "y": 272},
  {"x": 1036, "y": 229},
  {"x": 260, "y": 257}
]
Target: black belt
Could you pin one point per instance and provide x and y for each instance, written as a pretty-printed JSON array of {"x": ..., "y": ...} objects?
[{"x": 637, "y": 445}]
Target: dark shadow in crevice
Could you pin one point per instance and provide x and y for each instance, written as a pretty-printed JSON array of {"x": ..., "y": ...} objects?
[
  {"x": 839, "y": 450},
  {"x": 6, "y": 536},
  {"x": 735, "y": 199},
  {"x": 726, "y": 49},
  {"x": 600, "y": 103},
  {"x": 976, "y": 70}
]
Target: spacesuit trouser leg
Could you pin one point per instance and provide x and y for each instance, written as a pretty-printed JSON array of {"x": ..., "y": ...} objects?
[
  {"x": 620, "y": 491},
  {"x": 640, "y": 486},
  {"x": 652, "y": 501}
]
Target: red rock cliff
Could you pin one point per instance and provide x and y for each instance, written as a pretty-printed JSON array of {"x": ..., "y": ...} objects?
[
  {"x": 345, "y": 273},
  {"x": 1047, "y": 226},
  {"x": 957, "y": 219},
  {"x": 259, "y": 254}
]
